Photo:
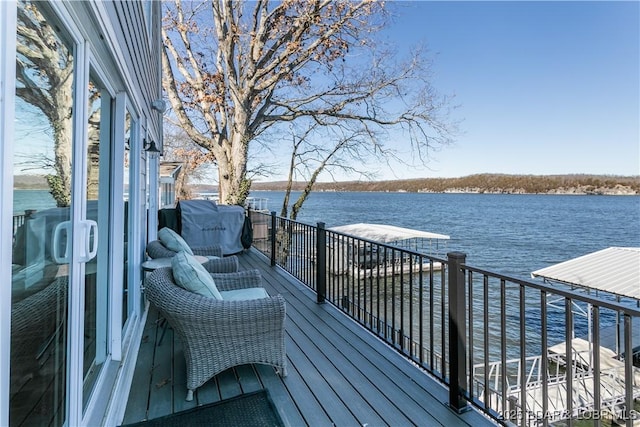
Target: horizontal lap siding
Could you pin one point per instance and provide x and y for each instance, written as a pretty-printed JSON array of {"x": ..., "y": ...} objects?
[{"x": 142, "y": 55}]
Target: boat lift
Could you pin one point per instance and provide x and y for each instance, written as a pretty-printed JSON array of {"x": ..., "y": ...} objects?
[
  {"x": 364, "y": 252},
  {"x": 615, "y": 271}
]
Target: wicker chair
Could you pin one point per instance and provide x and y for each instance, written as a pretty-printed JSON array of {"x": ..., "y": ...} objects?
[
  {"x": 34, "y": 321},
  {"x": 218, "y": 334},
  {"x": 155, "y": 249}
]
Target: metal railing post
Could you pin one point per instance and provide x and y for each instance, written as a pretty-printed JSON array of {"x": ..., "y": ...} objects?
[
  {"x": 273, "y": 238},
  {"x": 457, "y": 332},
  {"x": 321, "y": 263}
]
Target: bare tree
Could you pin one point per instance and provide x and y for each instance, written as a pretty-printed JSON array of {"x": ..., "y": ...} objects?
[
  {"x": 336, "y": 149},
  {"x": 44, "y": 68},
  {"x": 231, "y": 73}
]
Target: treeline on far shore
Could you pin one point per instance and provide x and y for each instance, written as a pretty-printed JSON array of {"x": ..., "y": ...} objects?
[
  {"x": 481, "y": 183},
  {"x": 484, "y": 183}
]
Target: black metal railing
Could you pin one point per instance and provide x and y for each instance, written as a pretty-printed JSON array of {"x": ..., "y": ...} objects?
[
  {"x": 510, "y": 347},
  {"x": 19, "y": 219}
]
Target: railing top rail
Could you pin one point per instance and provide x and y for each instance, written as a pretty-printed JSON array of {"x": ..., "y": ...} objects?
[{"x": 633, "y": 312}]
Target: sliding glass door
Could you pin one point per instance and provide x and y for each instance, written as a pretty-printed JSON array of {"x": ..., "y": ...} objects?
[
  {"x": 61, "y": 283},
  {"x": 43, "y": 174}
]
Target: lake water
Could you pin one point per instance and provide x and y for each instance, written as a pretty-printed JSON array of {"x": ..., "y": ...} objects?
[
  {"x": 32, "y": 199},
  {"x": 506, "y": 233},
  {"x": 509, "y": 234}
]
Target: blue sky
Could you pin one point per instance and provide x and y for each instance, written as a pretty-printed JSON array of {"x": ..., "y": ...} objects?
[{"x": 542, "y": 87}]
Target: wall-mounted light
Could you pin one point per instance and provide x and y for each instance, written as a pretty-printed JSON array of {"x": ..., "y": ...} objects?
[
  {"x": 159, "y": 105},
  {"x": 150, "y": 147}
]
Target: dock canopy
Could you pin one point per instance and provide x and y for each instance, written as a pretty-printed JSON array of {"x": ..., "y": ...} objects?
[
  {"x": 385, "y": 233},
  {"x": 615, "y": 270}
]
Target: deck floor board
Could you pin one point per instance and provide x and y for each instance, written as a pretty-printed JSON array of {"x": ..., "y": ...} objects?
[{"x": 338, "y": 373}]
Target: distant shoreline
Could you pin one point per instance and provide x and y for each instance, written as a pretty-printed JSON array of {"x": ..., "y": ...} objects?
[
  {"x": 569, "y": 192},
  {"x": 570, "y": 184},
  {"x": 573, "y": 184}
]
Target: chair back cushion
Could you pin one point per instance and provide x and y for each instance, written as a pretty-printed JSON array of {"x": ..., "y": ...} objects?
[
  {"x": 189, "y": 274},
  {"x": 173, "y": 240}
]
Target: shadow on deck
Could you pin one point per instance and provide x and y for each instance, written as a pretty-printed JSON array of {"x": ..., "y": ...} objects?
[{"x": 339, "y": 374}]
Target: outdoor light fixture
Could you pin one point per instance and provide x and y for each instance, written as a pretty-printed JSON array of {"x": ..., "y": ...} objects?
[
  {"x": 150, "y": 147},
  {"x": 159, "y": 105}
]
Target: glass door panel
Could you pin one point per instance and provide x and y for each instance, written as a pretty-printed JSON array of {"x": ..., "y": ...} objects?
[
  {"x": 42, "y": 171},
  {"x": 96, "y": 280}
]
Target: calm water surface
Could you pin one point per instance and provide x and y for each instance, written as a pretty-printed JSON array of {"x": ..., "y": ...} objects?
[{"x": 510, "y": 234}]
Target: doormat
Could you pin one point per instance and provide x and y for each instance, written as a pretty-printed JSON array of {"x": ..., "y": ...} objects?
[{"x": 247, "y": 410}]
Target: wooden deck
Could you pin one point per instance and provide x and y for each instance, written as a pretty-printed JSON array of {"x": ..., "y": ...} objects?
[{"x": 338, "y": 373}]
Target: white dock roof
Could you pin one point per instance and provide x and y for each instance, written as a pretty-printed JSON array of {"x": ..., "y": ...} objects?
[
  {"x": 385, "y": 233},
  {"x": 615, "y": 270}
]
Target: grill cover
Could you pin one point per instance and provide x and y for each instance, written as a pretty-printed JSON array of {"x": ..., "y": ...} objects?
[{"x": 203, "y": 223}]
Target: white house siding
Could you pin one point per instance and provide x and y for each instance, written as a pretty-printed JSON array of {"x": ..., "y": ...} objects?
[
  {"x": 115, "y": 44},
  {"x": 142, "y": 45}
]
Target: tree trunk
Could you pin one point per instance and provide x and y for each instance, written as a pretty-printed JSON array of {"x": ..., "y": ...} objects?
[
  {"x": 233, "y": 185},
  {"x": 62, "y": 134}
]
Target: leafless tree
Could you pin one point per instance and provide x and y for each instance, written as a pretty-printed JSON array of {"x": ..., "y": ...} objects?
[
  {"x": 44, "y": 69},
  {"x": 233, "y": 69},
  {"x": 335, "y": 149}
]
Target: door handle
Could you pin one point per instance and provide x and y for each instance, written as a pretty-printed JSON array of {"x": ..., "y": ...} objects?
[
  {"x": 89, "y": 234},
  {"x": 90, "y": 230},
  {"x": 56, "y": 243}
]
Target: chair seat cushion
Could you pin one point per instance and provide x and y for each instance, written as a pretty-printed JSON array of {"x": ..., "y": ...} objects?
[
  {"x": 244, "y": 294},
  {"x": 189, "y": 274},
  {"x": 173, "y": 240}
]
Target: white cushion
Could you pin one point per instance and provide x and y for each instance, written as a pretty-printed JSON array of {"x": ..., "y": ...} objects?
[
  {"x": 173, "y": 240},
  {"x": 192, "y": 276},
  {"x": 244, "y": 294}
]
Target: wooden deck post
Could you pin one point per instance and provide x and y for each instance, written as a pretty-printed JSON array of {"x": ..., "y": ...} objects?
[
  {"x": 321, "y": 263},
  {"x": 273, "y": 238},
  {"x": 457, "y": 332}
]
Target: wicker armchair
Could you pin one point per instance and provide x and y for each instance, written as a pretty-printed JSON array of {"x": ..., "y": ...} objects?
[
  {"x": 218, "y": 334},
  {"x": 155, "y": 249},
  {"x": 34, "y": 321}
]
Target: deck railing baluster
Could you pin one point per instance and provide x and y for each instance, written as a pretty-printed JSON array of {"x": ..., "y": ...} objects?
[
  {"x": 321, "y": 263},
  {"x": 597, "y": 407},
  {"x": 470, "y": 328},
  {"x": 523, "y": 359},
  {"x": 568, "y": 321},
  {"x": 487, "y": 389},
  {"x": 544, "y": 347},
  {"x": 503, "y": 348},
  {"x": 629, "y": 412}
]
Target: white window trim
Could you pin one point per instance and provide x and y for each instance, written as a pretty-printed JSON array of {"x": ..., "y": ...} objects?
[{"x": 8, "y": 17}]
